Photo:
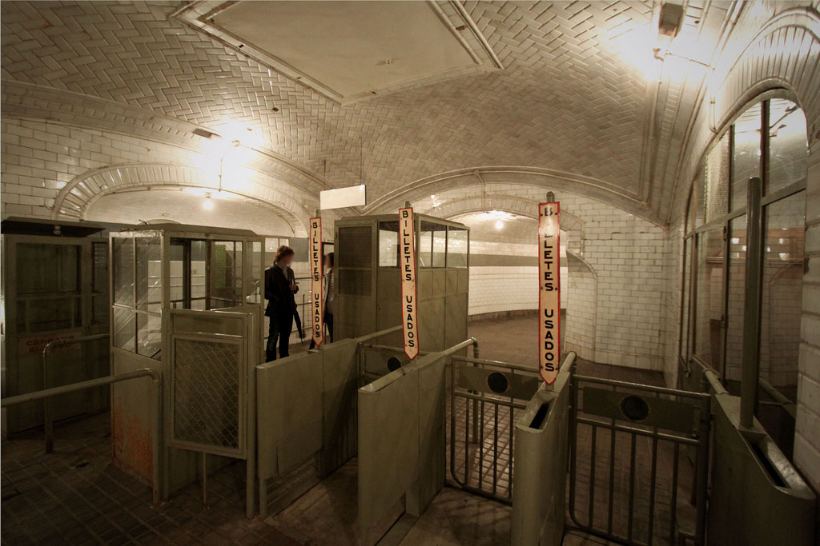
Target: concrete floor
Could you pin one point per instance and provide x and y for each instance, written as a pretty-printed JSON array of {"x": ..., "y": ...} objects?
[{"x": 76, "y": 496}]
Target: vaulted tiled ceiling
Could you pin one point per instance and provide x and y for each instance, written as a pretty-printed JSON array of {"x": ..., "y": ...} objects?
[{"x": 567, "y": 98}]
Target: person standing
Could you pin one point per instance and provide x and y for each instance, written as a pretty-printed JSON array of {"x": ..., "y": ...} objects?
[
  {"x": 280, "y": 288},
  {"x": 330, "y": 293}
]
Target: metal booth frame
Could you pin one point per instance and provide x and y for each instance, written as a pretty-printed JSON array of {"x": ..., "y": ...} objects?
[{"x": 241, "y": 325}]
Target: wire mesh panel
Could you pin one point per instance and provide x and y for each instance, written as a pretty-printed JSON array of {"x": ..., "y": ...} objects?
[
  {"x": 208, "y": 389},
  {"x": 206, "y": 392}
]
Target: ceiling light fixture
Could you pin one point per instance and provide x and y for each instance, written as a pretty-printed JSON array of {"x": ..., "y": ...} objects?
[{"x": 208, "y": 204}]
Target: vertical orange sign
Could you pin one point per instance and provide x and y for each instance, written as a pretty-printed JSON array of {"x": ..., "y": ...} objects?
[
  {"x": 407, "y": 266},
  {"x": 317, "y": 284},
  {"x": 549, "y": 290}
]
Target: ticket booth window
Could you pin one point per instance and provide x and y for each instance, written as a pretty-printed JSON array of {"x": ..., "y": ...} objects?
[
  {"x": 389, "y": 244},
  {"x": 457, "y": 247}
]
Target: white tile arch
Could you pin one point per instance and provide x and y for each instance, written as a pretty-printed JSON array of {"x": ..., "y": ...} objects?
[{"x": 83, "y": 191}]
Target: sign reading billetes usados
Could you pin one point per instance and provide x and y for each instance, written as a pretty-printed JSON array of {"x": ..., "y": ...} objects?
[
  {"x": 549, "y": 290},
  {"x": 409, "y": 295},
  {"x": 317, "y": 285}
]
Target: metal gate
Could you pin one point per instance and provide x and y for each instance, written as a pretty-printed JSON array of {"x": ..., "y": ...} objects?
[
  {"x": 485, "y": 396},
  {"x": 211, "y": 389},
  {"x": 638, "y": 461}
]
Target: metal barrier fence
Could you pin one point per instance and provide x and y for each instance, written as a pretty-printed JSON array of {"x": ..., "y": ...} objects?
[
  {"x": 626, "y": 440},
  {"x": 211, "y": 387},
  {"x": 306, "y": 407},
  {"x": 541, "y": 452},
  {"x": 99, "y": 382},
  {"x": 401, "y": 446},
  {"x": 485, "y": 396}
]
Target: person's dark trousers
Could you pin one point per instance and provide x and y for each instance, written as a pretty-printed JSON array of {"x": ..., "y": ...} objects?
[
  {"x": 329, "y": 327},
  {"x": 329, "y": 324},
  {"x": 278, "y": 332},
  {"x": 273, "y": 334},
  {"x": 285, "y": 326}
]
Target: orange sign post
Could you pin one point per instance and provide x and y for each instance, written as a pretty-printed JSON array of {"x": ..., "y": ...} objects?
[
  {"x": 317, "y": 284},
  {"x": 409, "y": 296},
  {"x": 549, "y": 290}
]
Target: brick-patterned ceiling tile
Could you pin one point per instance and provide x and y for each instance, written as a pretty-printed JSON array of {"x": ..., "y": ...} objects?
[{"x": 564, "y": 100}]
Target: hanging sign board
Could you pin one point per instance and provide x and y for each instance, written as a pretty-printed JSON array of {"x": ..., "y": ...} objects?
[
  {"x": 317, "y": 285},
  {"x": 407, "y": 266},
  {"x": 352, "y": 196},
  {"x": 549, "y": 290}
]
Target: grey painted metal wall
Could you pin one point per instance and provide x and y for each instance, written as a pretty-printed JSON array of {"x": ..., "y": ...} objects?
[
  {"x": 369, "y": 289},
  {"x": 757, "y": 496},
  {"x": 306, "y": 420},
  {"x": 402, "y": 439},
  {"x": 540, "y": 462}
]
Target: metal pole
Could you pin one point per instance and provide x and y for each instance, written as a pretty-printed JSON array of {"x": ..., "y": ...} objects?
[
  {"x": 156, "y": 425},
  {"x": 204, "y": 477},
  {"x": 702, "y": 471},
  {"x": 751, "y": 307},
  {"x": 380, "y": 333}
]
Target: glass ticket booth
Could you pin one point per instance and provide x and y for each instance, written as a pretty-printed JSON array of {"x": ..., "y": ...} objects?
[
  {"x": 185, "y": 301},
  {"x": 55, "y": 287},
  {"x": 369, "y": 287}
]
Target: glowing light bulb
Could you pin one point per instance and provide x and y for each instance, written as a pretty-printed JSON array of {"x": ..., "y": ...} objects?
[
  {"x": 499, "y": 225},
  {"x": 207, "y": 204}
]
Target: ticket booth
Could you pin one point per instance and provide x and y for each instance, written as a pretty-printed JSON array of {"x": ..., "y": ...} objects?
[
  {"x": 55, "y": 287},
  {"x": 185, "y": 301},
  {"x": 369, "y": 287}
]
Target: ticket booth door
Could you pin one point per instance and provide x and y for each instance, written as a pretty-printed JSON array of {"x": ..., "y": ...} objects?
[{"x": 55, "y": 288}]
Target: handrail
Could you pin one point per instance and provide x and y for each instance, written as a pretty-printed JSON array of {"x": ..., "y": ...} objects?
[
  {"x": 99, "y": 382},
  {"x": 377, "y": 347},
  {"x": 48, "y": 422},
  {"x": 380, "y": 383},
  {"x": 380, "y": 333},
  {"x": 779, "y": 398},
  {"x": 650, "y": 388},
  {"x": 711, "y": 377},
  {"x": 500, "y": 363}
]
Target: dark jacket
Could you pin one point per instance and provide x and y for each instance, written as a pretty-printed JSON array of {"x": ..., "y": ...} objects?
[{"x": 281, "y": 302}]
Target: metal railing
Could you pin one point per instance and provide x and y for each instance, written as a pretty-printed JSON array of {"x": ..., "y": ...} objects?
[
  {"x": 482, "y": 389},
  {"x": 99, "y": 382},
  {"x": 640, "y": 426},
  {"x": 48, "y": 419}
]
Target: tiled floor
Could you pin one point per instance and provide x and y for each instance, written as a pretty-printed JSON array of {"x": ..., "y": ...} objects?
[{"x": 76, "y": 496}]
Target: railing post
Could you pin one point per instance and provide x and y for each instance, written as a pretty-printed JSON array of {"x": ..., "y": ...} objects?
[
  {"x": 156, "y": 425},
  {"x": 751, "y": 306},
  {"x": 702, "y": 470},
  {"x": 48, "y": 424}
]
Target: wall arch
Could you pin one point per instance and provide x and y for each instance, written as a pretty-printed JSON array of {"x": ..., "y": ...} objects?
[
  {"x": 582, "y": 304},
  {"x": 74, "y": 200},
  {"x": 780, "y": 58},
  {"x": 535, "y": 177}
]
